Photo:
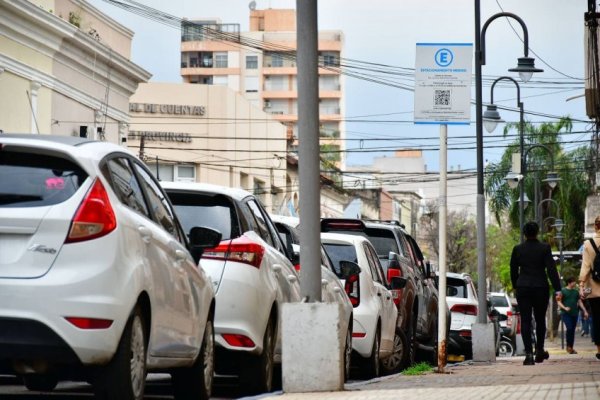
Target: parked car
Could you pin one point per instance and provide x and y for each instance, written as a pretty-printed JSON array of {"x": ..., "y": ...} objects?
[
  {"x": 332, "y": 289},
  {"x": 462, "y": 300},
  {"x": 400, "y": 256},
  {"x": 501, "y": 302},
  {"x": 253, "y": 277},
  {"x": 96, "y": 279},
  {"x": 375, "y": 313}
]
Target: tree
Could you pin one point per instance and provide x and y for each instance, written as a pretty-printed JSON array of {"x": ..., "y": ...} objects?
[
  {"x": 572, "y": 167},
  {"x": 461, "y": 240}
]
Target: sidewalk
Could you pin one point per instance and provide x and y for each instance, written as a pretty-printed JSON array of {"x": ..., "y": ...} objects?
[{"x": 563, "y": 376}]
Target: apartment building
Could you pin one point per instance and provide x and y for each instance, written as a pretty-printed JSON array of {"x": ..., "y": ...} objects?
[{"x": 261, "y": 65}]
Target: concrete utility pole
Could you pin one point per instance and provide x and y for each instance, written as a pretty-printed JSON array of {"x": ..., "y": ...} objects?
[
  {"x": 443, "y": 209},
  {"x": 308, "y": 149}
]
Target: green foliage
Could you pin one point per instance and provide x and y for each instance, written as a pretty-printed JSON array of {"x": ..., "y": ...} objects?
[
  {"x": 418, "y": 369},
  {"x": 500, "y": 241},
  {"x": 572, "y": 167}
]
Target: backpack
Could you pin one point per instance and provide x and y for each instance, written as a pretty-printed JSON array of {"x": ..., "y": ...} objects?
[{"x": 596, "y": 263}]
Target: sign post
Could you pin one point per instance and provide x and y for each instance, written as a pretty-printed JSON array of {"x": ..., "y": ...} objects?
[{"x": 443, "y": 97}]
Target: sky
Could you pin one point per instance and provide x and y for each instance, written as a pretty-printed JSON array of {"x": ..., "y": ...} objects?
[{"x": 386, "y": 32}]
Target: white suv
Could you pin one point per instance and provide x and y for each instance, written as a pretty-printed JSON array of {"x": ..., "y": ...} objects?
[
  {"x": 96, "y": 280},
  {"x": 375, "y": 313},
  {"x": 251, "y": 272}
]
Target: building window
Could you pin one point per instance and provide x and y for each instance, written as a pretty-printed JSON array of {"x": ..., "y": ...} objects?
[
  {"x": 258, "y": 190},
  {"x": 330, "y": 59},
  {"x": 251, "y": 84},
  {"x": 220, "y": 80},
  {"x": 251, "y": 62},
  {"x": 173, "y": 172},
  {"x": 220, "y": 60},
  {"x": 276, "y": 60}
]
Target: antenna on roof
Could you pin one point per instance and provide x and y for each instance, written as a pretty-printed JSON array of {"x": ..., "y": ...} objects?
[{"x": 252, "y": 5}]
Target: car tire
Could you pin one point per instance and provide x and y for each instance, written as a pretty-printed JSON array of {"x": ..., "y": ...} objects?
[
  {"x": 506, "y": 349},
  {"x": 371, "y": 364},
  {"x": 348, "y": 354},
  {"x": 40, "y": 382},
  {"x": 434, "y": 361},
  {"x": 124, "y": 377},
  {"x": 257, "y": 373},
  {"x": 196, "y": 381},
  {"x": 412, "y": 343},
  {"x": 398, "y": 360}
]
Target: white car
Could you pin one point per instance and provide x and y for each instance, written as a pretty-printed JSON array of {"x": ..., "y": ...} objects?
[
  {"x": 252, "y": 274},
  {"x": 96, "y": 280},
  {"x": 375, "y": 313},
  {"x": 332, "y": 289},
  {"x": 501, "y": 302}
]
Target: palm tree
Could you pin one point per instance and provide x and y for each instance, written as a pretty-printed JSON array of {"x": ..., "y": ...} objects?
[{"x": 572, "y": 167}]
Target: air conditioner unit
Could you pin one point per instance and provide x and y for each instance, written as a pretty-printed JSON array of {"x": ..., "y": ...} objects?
[{"x": 267, "y": 104}]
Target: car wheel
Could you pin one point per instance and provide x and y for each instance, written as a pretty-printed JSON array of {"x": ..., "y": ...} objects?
[
  {"x": 505, "y": 349},
  {"x": 435, "y": 344},
  {"x": 196, "y": 382},
  {"x": 124, "y": 377},
  {"x": 348, "y": 354},
  {"x": 257, "y": 373},
  {"x": 398, "y": 360},
  {"x": 371, "y": 364},
  {"x": 40, "y": 382},
  {"x": 412, "y": 344}
]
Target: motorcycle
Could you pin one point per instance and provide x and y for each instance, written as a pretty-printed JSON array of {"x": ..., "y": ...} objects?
[{"x": 506, "y": 347}]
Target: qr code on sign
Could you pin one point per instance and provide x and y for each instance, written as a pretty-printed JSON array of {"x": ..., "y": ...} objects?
[{"x": 441, "y": 98}]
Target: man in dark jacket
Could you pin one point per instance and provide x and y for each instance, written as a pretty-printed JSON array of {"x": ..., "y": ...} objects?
[{"x": 531, "y": 265}]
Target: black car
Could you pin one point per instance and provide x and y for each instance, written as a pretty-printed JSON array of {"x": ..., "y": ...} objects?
[{"x": 417, "y": 302}]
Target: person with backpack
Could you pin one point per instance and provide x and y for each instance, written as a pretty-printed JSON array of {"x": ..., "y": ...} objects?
[{"x": 589, "y": 280}]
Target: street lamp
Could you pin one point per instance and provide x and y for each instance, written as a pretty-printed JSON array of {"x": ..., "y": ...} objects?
[{"x": 525, "y": 65}]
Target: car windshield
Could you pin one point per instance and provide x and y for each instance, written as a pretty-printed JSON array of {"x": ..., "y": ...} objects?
[
  {"x": 460, "y": 286},
  {"x": 340, "y": 252},
  {"x": 499, "y": 301},
  {"x": 210, "y": 211},
  {"x": 34, "y": 180}
]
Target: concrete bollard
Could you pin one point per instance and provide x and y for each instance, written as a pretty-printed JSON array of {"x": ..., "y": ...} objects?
[
  {"x": 312, "y": 347},
  {"x": 483, "y": 342}
]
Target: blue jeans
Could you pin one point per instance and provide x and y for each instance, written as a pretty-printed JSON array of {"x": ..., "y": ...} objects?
[{"x": 570, "y": 322}]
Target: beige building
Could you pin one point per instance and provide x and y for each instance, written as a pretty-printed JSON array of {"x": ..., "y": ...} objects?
[
  {"x": 261, "y": 64},
  {"x": 211, "y": 134},
  {"x": 65, "y": 69}
]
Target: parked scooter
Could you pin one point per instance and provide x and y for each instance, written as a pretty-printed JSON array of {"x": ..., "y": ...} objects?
[{"x": 506, "y": 347}]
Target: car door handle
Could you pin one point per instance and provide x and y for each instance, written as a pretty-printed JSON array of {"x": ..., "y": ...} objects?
[
  {"x": 337, "y": 289},
  {"x": 146, "y": 233},
  {"x": 276, "y": 268},
  {"x": 180, "y": 255},
  {"x": 292, "y": 278},
  {"x": 324, "y": 282}
]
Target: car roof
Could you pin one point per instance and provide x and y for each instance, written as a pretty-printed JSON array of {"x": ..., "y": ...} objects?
[
  {"x": 294, "y": 222},
  {"x": 235, "y": 193},
  {"x": 342, "y": 237},
  {"x": 92, "y": 149},
  {"x": 456, "y": 275}
]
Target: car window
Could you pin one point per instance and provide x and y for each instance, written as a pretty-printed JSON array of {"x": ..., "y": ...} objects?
[
  {"x": 460, "y": 286},
  {"x": 125, "y": 184},
  {"x": 340, "y": 252},
  {"x": 34, "y": 180},
  {"x": 382, "y": 239},
  {"x": 261, "y": 223},
  {"x": 158, "y": 203},
  {"x": 326, "y": 261},
  {"x": 377, "y": 265},
  {"x": 499, "y": 301},
  {"x": 206, "y": 210},
  {"x": 373, "y": 262}
]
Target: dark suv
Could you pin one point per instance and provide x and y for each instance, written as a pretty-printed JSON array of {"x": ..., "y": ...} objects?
[{"x": 417, "y": 302}]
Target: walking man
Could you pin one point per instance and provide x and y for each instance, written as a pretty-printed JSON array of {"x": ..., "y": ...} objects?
[{"x": 531, "y": 264}]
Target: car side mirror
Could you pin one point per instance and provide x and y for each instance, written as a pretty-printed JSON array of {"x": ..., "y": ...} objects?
[
  {"x": 202, "y": 238},
  {"x": 429, "y": 270},
  {"x": 397, "y": 282},
  {"x": 502, "y": 317},
  {"x": 348, "y": 268}
]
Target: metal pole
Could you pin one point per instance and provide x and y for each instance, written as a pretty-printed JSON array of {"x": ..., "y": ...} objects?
[
  {"x": 442, "y": 248},
  {"x": 481, "y": 272},
  {"x": 523, "y": 172},
  {"x": 308, "y": 149}
]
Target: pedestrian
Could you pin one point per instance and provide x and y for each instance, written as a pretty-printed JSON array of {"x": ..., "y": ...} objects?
[
  {"x": 588, "y": 287},
  {"x": 569, "y": 305},
  {"x": 531, "y": 264}
]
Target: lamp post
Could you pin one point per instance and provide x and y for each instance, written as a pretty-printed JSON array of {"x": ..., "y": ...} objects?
[
  {"x": 525, "y": 67},
  {"x": 559, "y": 225}
]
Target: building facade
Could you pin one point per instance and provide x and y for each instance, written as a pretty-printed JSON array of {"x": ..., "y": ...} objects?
[
  {"x": 261, "y": 65},
  {"x": 210, "y": 134},
  {"x": 65, "y": 69}
]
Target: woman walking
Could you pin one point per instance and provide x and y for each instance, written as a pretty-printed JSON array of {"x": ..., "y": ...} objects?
[{"x": 588, "y": 287}]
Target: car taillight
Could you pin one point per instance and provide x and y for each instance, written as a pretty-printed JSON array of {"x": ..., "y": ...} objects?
[
  {"x": 90, "y": 323},
  {"x": 94, "y": 217},
  {"x": 464, "y": 309},
  {"x": 241, "y": 250},
  {"x": 465, "y": 334},
  {"x": 359, "y": 334},
  {"x": 397, "y": 293},
  {"x": 509, "y": 321},
  {"x": 352, "y": 288},
  {"x": 297, "y": 267},
  {"x": 329, "y": 225}
]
